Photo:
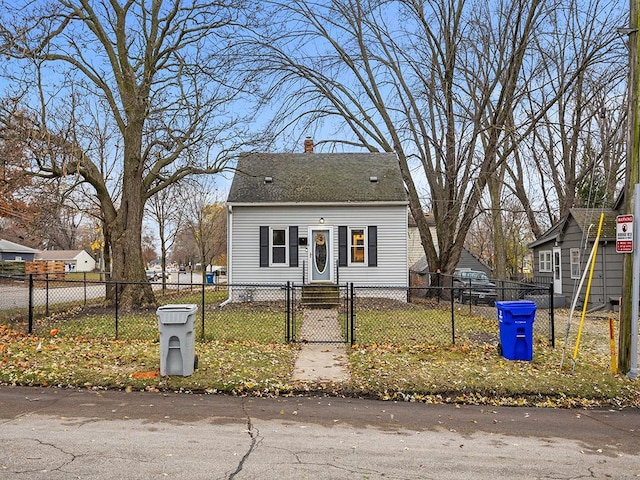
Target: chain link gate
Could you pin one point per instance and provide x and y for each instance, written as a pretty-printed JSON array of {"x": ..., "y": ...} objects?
[{"x": 319, "y": 313}]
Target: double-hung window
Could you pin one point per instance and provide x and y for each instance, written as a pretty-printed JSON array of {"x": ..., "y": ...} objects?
[
  {"x": 357, "y": 246},
  {"x": 544, "y": 261},
  {"x": 574, "y": 254},
  {"x": 279, "y": 246}
]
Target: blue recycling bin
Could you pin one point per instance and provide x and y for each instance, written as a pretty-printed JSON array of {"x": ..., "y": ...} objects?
[
  {"x": 209, "y": 278},
  {"x": 516, "y": 329}
]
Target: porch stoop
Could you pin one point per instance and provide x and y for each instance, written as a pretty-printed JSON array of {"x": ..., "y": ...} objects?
[{"x": 320, "y": 296}]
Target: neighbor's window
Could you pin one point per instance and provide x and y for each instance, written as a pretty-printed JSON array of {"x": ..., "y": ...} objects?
[
  {"x": 544, "y": 261},
  {"x": 357, "y": 245},
  {"x": 574, "y": 253},
  {"x": 278, "y": 246}
]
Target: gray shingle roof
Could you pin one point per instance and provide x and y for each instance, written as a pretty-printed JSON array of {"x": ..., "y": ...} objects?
[
  {"x": 584, "y": 218},
  {"x": 317, "y": 178},
  {"x": 57, "y": 254},
  {"x": 11, "y": 247}
]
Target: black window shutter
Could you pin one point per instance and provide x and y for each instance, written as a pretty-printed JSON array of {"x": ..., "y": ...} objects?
[
  {"x": 293, "y": 246},
  {"x": 342, "y": 247},
  {"x": 373, "y": 246},
  {"x": 264, "y": 246}
]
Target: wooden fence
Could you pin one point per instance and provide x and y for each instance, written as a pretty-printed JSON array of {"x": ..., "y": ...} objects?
[{"x": 52, "y": 270}]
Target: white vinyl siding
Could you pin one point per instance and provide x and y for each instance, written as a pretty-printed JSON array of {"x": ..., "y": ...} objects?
[{"x": 390, "y": 220}]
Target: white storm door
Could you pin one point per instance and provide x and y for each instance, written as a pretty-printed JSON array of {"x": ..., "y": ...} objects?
[{"x": 557, "y": 270}]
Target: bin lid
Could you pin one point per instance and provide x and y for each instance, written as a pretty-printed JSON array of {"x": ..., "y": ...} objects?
[
  {"x": 511, "y": 304},
  {"x": 186, "y": 308}
]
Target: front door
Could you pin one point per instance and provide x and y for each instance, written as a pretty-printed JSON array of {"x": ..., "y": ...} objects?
[
  {"x": 321, "y": 254},
  {"x": 557, "y": 271}
]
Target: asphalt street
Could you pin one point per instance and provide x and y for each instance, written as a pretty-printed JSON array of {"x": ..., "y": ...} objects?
[
  {"x": 62, "y": 434},
  {"x": 17, "y": 296}
]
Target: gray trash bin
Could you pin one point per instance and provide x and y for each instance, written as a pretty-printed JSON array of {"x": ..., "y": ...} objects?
[{"x": 177, "y": 339}]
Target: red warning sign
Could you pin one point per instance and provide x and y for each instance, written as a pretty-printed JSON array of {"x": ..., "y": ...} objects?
[{"x": 624, "y": 234}]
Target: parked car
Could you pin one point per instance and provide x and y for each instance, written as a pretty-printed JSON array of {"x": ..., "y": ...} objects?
[
  {"x": 155, "y": 274},
  {"x": 473, "y": 286},
  {"x": 152, "y": 275}
]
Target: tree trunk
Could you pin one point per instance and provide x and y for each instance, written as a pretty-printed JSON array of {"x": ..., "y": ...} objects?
[
  {"x": 126, "y": 229},
  {"x": 128, "y": 265},
  {"x": 494, "y": 185}
]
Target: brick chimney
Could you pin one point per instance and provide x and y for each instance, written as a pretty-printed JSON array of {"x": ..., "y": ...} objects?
[{"x": 308, "y": 145}]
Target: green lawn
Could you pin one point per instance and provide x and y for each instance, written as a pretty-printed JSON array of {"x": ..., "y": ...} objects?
[
  {"x": 420, "y": 326},
  {"x": 401, "y": 354}
]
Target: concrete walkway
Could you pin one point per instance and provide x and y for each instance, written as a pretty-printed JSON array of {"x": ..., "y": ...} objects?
[{"x": 323, "y": 356}]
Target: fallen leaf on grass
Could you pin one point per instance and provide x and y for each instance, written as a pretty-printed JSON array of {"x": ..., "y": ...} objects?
[{"x": 144, "y": 375}]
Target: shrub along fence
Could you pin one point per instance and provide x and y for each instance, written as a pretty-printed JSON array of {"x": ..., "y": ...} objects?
[{"x": 267, "y": 313}]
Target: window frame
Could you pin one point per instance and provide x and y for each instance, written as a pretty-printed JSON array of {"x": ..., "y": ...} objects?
[
  {"x": 545, "y": 261},
  {"x": 285, "y": 246},
  {"x": 574, "y": 264},
  {"x": 351, "y": 246}
]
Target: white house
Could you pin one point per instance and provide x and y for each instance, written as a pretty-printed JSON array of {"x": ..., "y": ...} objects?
[
  {"x": 315, "y": 218},
  {"x": 74, "y": 260},
  {"x": 416, "y": 250}
]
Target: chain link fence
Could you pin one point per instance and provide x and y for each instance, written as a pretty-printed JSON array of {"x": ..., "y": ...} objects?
[
  {"x": 440, "y": 315},
  {"x": 265, "y": 314}
]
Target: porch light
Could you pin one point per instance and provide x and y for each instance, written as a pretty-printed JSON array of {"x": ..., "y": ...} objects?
[{"x": 321, "y": 220}]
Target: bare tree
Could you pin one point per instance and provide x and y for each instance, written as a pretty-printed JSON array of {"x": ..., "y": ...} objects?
[
  {"x": 13, "y": 180},
  {"x": 165, "y": 72},
  {"x": 515, "y": 236},
  {"x": 169, "y": 219},
  {"x": 583, "y": 77},
  {"x": 447, "y": 85},
  {"x": 408, "y": 77},
  {"x": 205, "y": 220}
]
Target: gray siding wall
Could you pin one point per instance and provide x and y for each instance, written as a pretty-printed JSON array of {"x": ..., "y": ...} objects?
[
  {"x": 606, "y": 282},
  {"x": 244, "y": 254},
  {"x": 607, "y": 274},
  {"x": 11, "y": 256}
]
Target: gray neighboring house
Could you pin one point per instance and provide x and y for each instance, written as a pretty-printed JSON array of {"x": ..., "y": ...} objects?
[
  {"x": 472, "y": 262},
  {"x": 561, "y": 254},
  {"x": 317, "y": 218},
  {"x": 14, "y": 252},
  {"x": 420, "y": 271},
  {"x": 74, "y": 260}
]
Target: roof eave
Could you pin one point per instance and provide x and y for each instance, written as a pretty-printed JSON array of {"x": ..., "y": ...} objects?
[
  {"x": 543, "y": 240},
  {"x": 318, "y": 204}
]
